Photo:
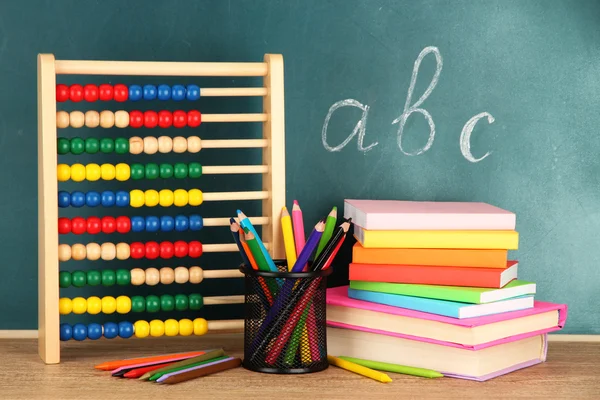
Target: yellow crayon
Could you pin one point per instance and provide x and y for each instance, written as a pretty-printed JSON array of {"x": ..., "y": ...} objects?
[{"x": 359, "y": 369}]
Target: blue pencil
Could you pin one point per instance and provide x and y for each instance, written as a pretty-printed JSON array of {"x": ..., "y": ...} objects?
[
  {"x": 247, "y": 226},
  {"x": 309, "y": 247}
]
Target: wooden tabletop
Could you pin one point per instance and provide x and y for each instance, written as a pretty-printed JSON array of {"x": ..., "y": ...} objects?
[{"x": 572, "y": 371}]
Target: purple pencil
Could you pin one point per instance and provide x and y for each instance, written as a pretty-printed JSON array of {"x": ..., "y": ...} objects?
[{"x": 309, "y": 247}]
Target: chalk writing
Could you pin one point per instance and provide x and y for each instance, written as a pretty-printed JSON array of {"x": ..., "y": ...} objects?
[
  {"x": 465, "y": 137},
  {"x": 359, "y": 129}
]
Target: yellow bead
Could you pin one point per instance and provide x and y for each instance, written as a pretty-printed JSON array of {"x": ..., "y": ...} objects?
[
  {"x": 141, "y": 329},
  {"x": 136, "y": 198},
  {"x": 200, "y": 326},
  {"x": 195, "y": 197},
  {"x": 108, "y": 172},
  {"x": 109, "y": 305},
  {"x": 78, "y": 172},
  {"x": 186, "y": 327},
  {"x": 171, "y": 327},
  {"x": 65, "y": 306},
  {"x": 151, "y": 197},
  {"x": 94, "y": 305},
  {"x": 123, "y": 304},
  {"x": 181, "y": 198},
  {"x": 79, "y": 305},
  {"x": 63, "y": 172},
  {"x": 92, "y": 172},
  {"x": 123, "y": 172},
  {"x": 165, "y": 198},
  {"x": 157, "y": 328}
]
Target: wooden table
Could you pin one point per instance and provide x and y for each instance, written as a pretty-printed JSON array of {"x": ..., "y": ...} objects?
[{"x": 572, "y": 371}]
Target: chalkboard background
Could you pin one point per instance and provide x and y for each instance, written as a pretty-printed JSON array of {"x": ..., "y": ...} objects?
[{"x": 532, "y": 65}]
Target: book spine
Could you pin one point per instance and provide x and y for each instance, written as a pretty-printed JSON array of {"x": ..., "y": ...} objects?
[{"x": 505, "y": 240}]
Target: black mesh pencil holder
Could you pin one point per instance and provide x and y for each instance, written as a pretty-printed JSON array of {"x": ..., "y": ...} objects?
[{"x": 285, "y": 320}]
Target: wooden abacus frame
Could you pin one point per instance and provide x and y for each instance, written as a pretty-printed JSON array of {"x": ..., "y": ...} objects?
[{"x": 273, "y": 144}]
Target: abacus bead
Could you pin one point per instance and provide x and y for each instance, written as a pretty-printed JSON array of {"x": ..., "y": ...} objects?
[
  {"x": 108, "y": 277},
  {"x": 167, "y": 223},
  {"x": 137, "y": 250},
  {"x": 108, "y": 224},
  {"x": 76, "y": 93},
  {"x": 78, "y": 172},
  {"x": 181, "y": 223},
  {"x": 79, "y": 305},
  {"x": 93, "y": 251},
  {"x": 78, "y": 252},
  {"x": 196, "y": 275},
  {"x": 64, "y": 252},
  {"x": 92, "y": 145},
  {"x": 63, "y": 146},
  {"x": 93, "y": 172},
  {"x": 125, "y": 329},
  {"x": 123, "y": 251},
  {"x": 200, "y": 326},
  {"x": 64, "y": 199},
  {"x": 77, "y": 145},
  {"x": 136, "y": 119},
  {"x": 79, "y": 332},
  {"x": 105, "y": 92},
  {"x": 138, "y": 276},
  {"x": 92, "y": 119},
  {"x": 152, "y": 276},
  {"x": 165, "y": 144},
  {"x": 150, "y": 119},
  {"x": 194, "y": 118},
  {"x": 195, "y": 249},
  {"x": 64, "y": 225},
  {"x": 152, "y": 252},
  {"x": 141, "y": 329},
  {"x": 149, "y": 92},
  {"x": 164, "y": 92},
  {"x": 179, "y": 144},
  {"x": 152, "y": 304},
  {"x": 195, "y": 301},
  {"x": 138, "y": 304},
  {"x": 137, "y": 171},
  {"x": 181, "y": 302},
  {"x": 77, "y": 199},
  {"x": 182, "y": 275},
  {"x": 180, "y": 170},
  {"x": 151, "y": 171},
  {"x": 167, "y": 302},
  {"x": 166, "y": 249},
  {"x": 92, "y": 199},
  {"x": 195, "y": 197},
  {"x": 180, "y": 249},
  {"x": 94, "y": 278},
  {"x": 66, "y": 332},
  {"x": 123, "y": 224},
  {"x": 62, "y": 93},
  {"x": 192, "y": 92},
  {"x": 151, "y": 198},
  {"x": 65, "y": 306},
  {"x": 171, "y": 327},
  {"x": 122, "y": 198},
  {"x": 76, "y": 119},
  {"x": 167, "y": 276},
  {"x": 123, "y": 304},
  {"x": 64, "y": 279},
  {"x": 109, "y": 305},
  {"x": 194, "y": 170},
  {"x": 178, "y": 92},
  {"x": 179, "y": 119},
  {"x": 121, "y": 119},
  {"x": 63, "y": 172},
  {"x": 194, "y": 144},
  {"x": 122, "y": 172},
  {"x": 94, "y": 225},
  {"x": 111, "y": 330},
  {"x": 78, "y": 225},
  {"x": 157, "y": 328},
  {"x": 108, "y": 172},
  {"x": 152, "y": 223},
  {"x": 165, "y": 119},
  {"x": 196, "y": 222},
  {"x": 123, "y": 277},
  {"x": 135, "y": 92},
  {"x": 108, "y": 251},
  {"x": 107, "y": 119},
  {"x": 62, "y": 119},
  {"x": 165, "y": 171},
  {"x": 180, "y": 198},
  {"x": 90, "y": 93},
  {"x": 121, "y": 146},
  {"x": 138, "y": 224},
  {"x": 186, "y": 327},
  {"x": 94, "y": 331},
  {"x": 94, "y": 305},
  {"x": 120, "y": 93},
  {"x": 107, "y": 145},
  {"x": 150, "y": 145}
]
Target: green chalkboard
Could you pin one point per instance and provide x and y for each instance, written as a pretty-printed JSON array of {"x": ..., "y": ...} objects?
[{"x": 492, "y": 101}]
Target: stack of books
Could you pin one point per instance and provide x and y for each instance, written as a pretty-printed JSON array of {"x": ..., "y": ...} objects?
[{"x": 432, "y": 286}]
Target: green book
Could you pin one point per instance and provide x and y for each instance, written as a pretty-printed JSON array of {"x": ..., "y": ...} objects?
[{"x": 459, "y": 294}]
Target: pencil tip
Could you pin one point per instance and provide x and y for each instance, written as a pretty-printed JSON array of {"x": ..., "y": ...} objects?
[{"x": 296, "y": 202}]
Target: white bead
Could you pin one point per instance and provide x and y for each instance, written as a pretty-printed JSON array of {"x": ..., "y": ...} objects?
[{"x": 182, "y": 275}]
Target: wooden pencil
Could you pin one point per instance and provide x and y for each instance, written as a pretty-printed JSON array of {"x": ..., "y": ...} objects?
[
  {"x": 288, "y": 238},
  {"x": 309, "y": 248},
  {"x": 138, "y": 372},
  {"x": 258, "y": 255},
  {"x": 158, "y": 375},
  {"x": 333, "y": 242},
  {"x": 200, "y": 371},
  {"x": 328, "y": 231},
  {"x": 111, "y": 365},
  {"x": 298, "y": 222},
  {"x": 248, "y": 227},
  {"x": 206, "y": 356},
  {"x": 235, "y": 232}
]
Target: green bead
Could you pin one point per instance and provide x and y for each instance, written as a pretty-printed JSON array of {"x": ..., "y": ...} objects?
[
  {"x": 138, "y": 304},
  {"x": 181, "y": 302},
  {"x": 167, "y": 302},
  {"x": 180, "y": 170},
  {"x": 108, "y": 277},
  {"x": 64, "y": 279},
  {"x": 78, "y": 278},
  {"x": 94, "y": 278},
  {"x": 77, "y": 145},
  {"x": 63, "y": 145},
  {"x": 107, "y": 145},
  {"x": 166, "y": 171},
  {"x": 121, "y": 146},
  {"x": 92, "y": 145},
  {"x": 137, "y": 171},
  {"x": 195, "y": 170},
  {"x": 123, "y": 277},
  {"x": 152, "y": 304},
  {"x": 196, "y": 301},
  {"x": 151, "y": 171}
]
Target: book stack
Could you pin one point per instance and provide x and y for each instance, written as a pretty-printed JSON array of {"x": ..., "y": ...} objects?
[{"x": 432, "y": 286}]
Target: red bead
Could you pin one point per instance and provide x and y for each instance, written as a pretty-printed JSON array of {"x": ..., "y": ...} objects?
[
  {"x": 64, "y": 225},
  {"x": 194, "y": 118},
  {"x": 195, "y": 249},
  {"x": 165, "y": 119},
  {"x": 150, "y": 119},
  {"x": 121, "y": 93},
  {"x": 152, "y": 250},
  {"x": 136, "y": 119},
  {"x": 123, "y": 224},
  {"x": 179, "y": 119},
  {"x": 76, "y": 93},
  {"x": 78, "y": 225},
  {"x": 166, "y": 250},
  {"x": 90, "y": 93},
  {"x": 94, "y": 225},
  {"x": 108, "y": 224},
  {"x": 137, "y": 250},
  {"x": 62, "y": 93},
  {"x": 105, "y": 93},
  {"x": 181, "y": 249}
]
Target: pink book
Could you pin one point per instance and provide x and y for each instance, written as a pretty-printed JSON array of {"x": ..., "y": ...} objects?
[{"x": 427, "y": 215}]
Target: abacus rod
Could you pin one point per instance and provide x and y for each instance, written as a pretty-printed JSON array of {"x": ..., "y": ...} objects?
[
  {"x": 218, "y": 248},
  {"x": 216, "y": 92},
  {"x": 222, "y": 273},
  {"x": 234, "y": 169},
  {"x": 218, "y": 300},
  {"x": 225, "y": 324},
  {"x": 222, "y": 196},
  {"x": 65, "y": 120},
  {"x": 234, "y": 117},
  {"x": 225, "y": 221},
  {"x": 234, "y": 143}
]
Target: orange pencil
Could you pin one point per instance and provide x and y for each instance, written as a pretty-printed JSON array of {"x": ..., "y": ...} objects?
[
  {"x": 110, "y": 365},
  {"x": 247, "y": 249}
]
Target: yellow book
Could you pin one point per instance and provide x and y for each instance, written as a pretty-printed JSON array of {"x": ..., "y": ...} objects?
[{"x": 507, "y": 240}]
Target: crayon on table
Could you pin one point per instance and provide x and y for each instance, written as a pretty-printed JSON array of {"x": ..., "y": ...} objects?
[
  {"x": 137, "y": 372},
  {"x": 206, "y": 356},
  {"x": 126, "y": 368},
  {"x": 110, "y": 365},
  {"x": 359, "y": 369},
  {"x": 200, "y": 371},
  {"x": 400, "y": 369},
  {"x": 158, "y": 375}
]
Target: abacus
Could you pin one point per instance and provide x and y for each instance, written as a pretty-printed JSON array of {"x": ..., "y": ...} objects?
[{"x": 50, "y": 199}]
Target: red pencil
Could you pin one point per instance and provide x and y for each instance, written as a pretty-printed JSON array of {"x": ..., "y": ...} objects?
[{"x": 137, "y": 372}]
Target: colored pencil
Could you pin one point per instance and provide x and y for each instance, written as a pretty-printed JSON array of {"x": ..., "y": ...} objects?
[
  {"x": 288, "y": 238},
  {"x": 258, "y": 255},
  {"x": 298, "y": 222},
  {"x": 399, "y": 369},
  {"x": 328, "y": 231},
  {"x": 235, "y": 232},
  {"x": 206, "y": 356},
  {"x": 159, "y": 375},
  {"x": 247, "y": 225},
  {"x": 200, "y": 371},
  {"x": 137, "y": 372},
  {"x": 242, "y": 236},
  {"x": 309, "y": 248},
  {"x": 111, "y": 365},
  {"x": 120, "y": 371},
  {"x": 333, "y": 242},
  {"x": 359, "y": 369}
]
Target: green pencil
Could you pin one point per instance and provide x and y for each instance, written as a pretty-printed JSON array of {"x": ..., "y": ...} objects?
[
  {"x": 159, "y": 374},
  {"x": 329, "y": 226},
  {"x": 206, "y": 356},
  {"x": 400, "y": 369},
  {"x": 259, "y": 258}
]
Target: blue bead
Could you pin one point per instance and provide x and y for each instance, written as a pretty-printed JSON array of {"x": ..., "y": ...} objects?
[
  {"x": 196, "y": 222},
  {"x": 167, "y": 223},
  {"x": 193, "y": 92},
  {"x": 66, "y": 332},
  {"x": 152, "y": 224},
  {"x": 79, "y": 332},
  {"x": 77, "y": 199},
  {"x": 138, "y": 224},
  {"x": 164, "y": 92},
  {"x": 149, "y": 92},
  {"x": 111, "y": 330},
  {"x": 108, "y": 198},
  {"x": 135, "y": 92},
  {"x": 181, "y": 223},
  {"x": 125, "y": 329},
  {"x": 92, "y": 199},
  {"x": 94, "y": 331},
  {"x": 122, "y": 198},
  {"x": 178, "y": 92},
  {"x": 64, "y": 199}
]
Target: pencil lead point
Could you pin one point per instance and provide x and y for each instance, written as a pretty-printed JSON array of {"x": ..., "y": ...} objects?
[{"x": 296, "y": 202}]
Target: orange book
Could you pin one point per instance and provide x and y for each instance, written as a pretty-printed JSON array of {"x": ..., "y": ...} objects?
[
  {"x": 486, "y": 258},
  {"x": 424, "y": 275}
]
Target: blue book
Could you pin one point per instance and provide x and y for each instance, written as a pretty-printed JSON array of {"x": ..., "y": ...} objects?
[{"x": 442, "y": 307}]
